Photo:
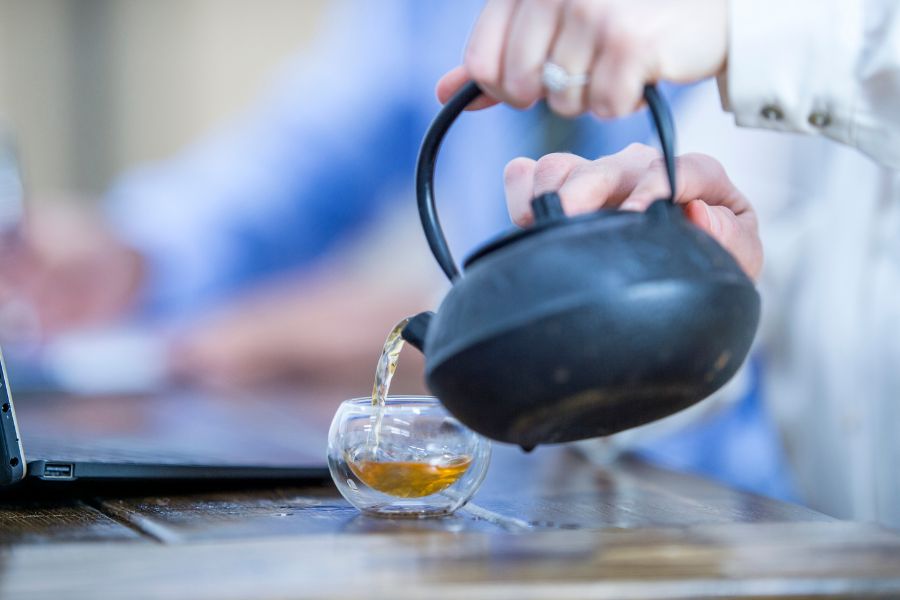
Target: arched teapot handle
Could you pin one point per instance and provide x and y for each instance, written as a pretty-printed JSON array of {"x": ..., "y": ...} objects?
[{"x": 431, "y": 145}]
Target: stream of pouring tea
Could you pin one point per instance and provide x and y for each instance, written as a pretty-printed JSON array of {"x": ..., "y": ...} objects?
[
  {"x": 384, "y": 372},
  {"x": 387, "y": 364},
  {"x": 404, "y": 479}
]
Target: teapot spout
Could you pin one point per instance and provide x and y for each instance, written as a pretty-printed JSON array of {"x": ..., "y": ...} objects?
[{"x": 415, "y": 330}]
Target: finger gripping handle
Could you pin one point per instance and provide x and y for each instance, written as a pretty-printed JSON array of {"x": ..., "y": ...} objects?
[{"x": 431, "y": 145}]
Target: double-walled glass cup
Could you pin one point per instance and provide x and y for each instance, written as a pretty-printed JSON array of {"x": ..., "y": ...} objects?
[{"x": 418, "y": 461}]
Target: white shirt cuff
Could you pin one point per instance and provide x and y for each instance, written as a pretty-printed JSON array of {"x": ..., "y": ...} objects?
[{"x": 790, "y": 65}]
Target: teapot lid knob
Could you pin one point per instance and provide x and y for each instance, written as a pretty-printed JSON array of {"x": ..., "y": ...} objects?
[{"x": 547, "y": 208}]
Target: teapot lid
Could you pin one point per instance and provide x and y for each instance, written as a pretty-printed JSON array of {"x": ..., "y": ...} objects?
[{"x": 548, "y": 214}]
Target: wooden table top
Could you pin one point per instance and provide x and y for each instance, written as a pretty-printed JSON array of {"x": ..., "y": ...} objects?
[{"x": 544, "y": 525}]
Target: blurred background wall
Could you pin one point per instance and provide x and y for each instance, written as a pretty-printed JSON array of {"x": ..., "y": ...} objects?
[{"x": 87, "y": 82}]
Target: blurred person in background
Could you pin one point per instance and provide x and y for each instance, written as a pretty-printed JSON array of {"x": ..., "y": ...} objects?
[{"x": 831, "y": 322}]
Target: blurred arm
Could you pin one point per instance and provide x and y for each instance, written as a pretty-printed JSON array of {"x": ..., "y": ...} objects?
[
  {"x": 824, "y": 67},
  {"x": 287, "y": 182}
]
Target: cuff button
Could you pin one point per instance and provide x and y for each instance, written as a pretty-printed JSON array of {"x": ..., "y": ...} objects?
[
  {"x": 819, "y": 119},
  {"x": 770, "y": 112}
]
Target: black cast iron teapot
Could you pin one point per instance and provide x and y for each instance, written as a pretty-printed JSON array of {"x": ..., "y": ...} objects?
[{"x": 578, "y": 327}]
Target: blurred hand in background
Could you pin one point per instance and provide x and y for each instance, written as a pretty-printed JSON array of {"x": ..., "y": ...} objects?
[{"x": 71, "y": 269}]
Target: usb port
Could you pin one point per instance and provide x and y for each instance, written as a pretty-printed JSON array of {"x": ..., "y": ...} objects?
[{"x": 58, "y": 471}]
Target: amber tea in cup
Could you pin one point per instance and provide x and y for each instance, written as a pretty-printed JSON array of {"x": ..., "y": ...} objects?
[{"x": 405, "y": 457}]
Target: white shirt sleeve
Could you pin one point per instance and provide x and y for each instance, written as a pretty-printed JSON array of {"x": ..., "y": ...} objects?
[{"x": 828, "y": 67}]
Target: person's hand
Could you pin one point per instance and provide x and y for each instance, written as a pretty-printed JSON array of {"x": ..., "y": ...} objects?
[
  {"x": 632, "y": 180},
  {"x": 69, "y": 271},
  {"x": 619, "y": 45}
]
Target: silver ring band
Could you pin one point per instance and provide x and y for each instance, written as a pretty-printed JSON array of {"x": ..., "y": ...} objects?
[{"x": 557, "y": 79}]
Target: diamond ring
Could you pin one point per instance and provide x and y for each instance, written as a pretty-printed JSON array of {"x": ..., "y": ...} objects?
[{"x": 557, "y": 79}]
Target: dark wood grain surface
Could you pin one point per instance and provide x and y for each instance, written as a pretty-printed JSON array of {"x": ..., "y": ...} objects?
[
  {"x": 43, "y": 522},
  {"x": 544, "y": 525}
]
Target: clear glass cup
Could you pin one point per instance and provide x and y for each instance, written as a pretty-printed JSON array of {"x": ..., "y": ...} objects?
[{"x": 423, "y": 463}]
